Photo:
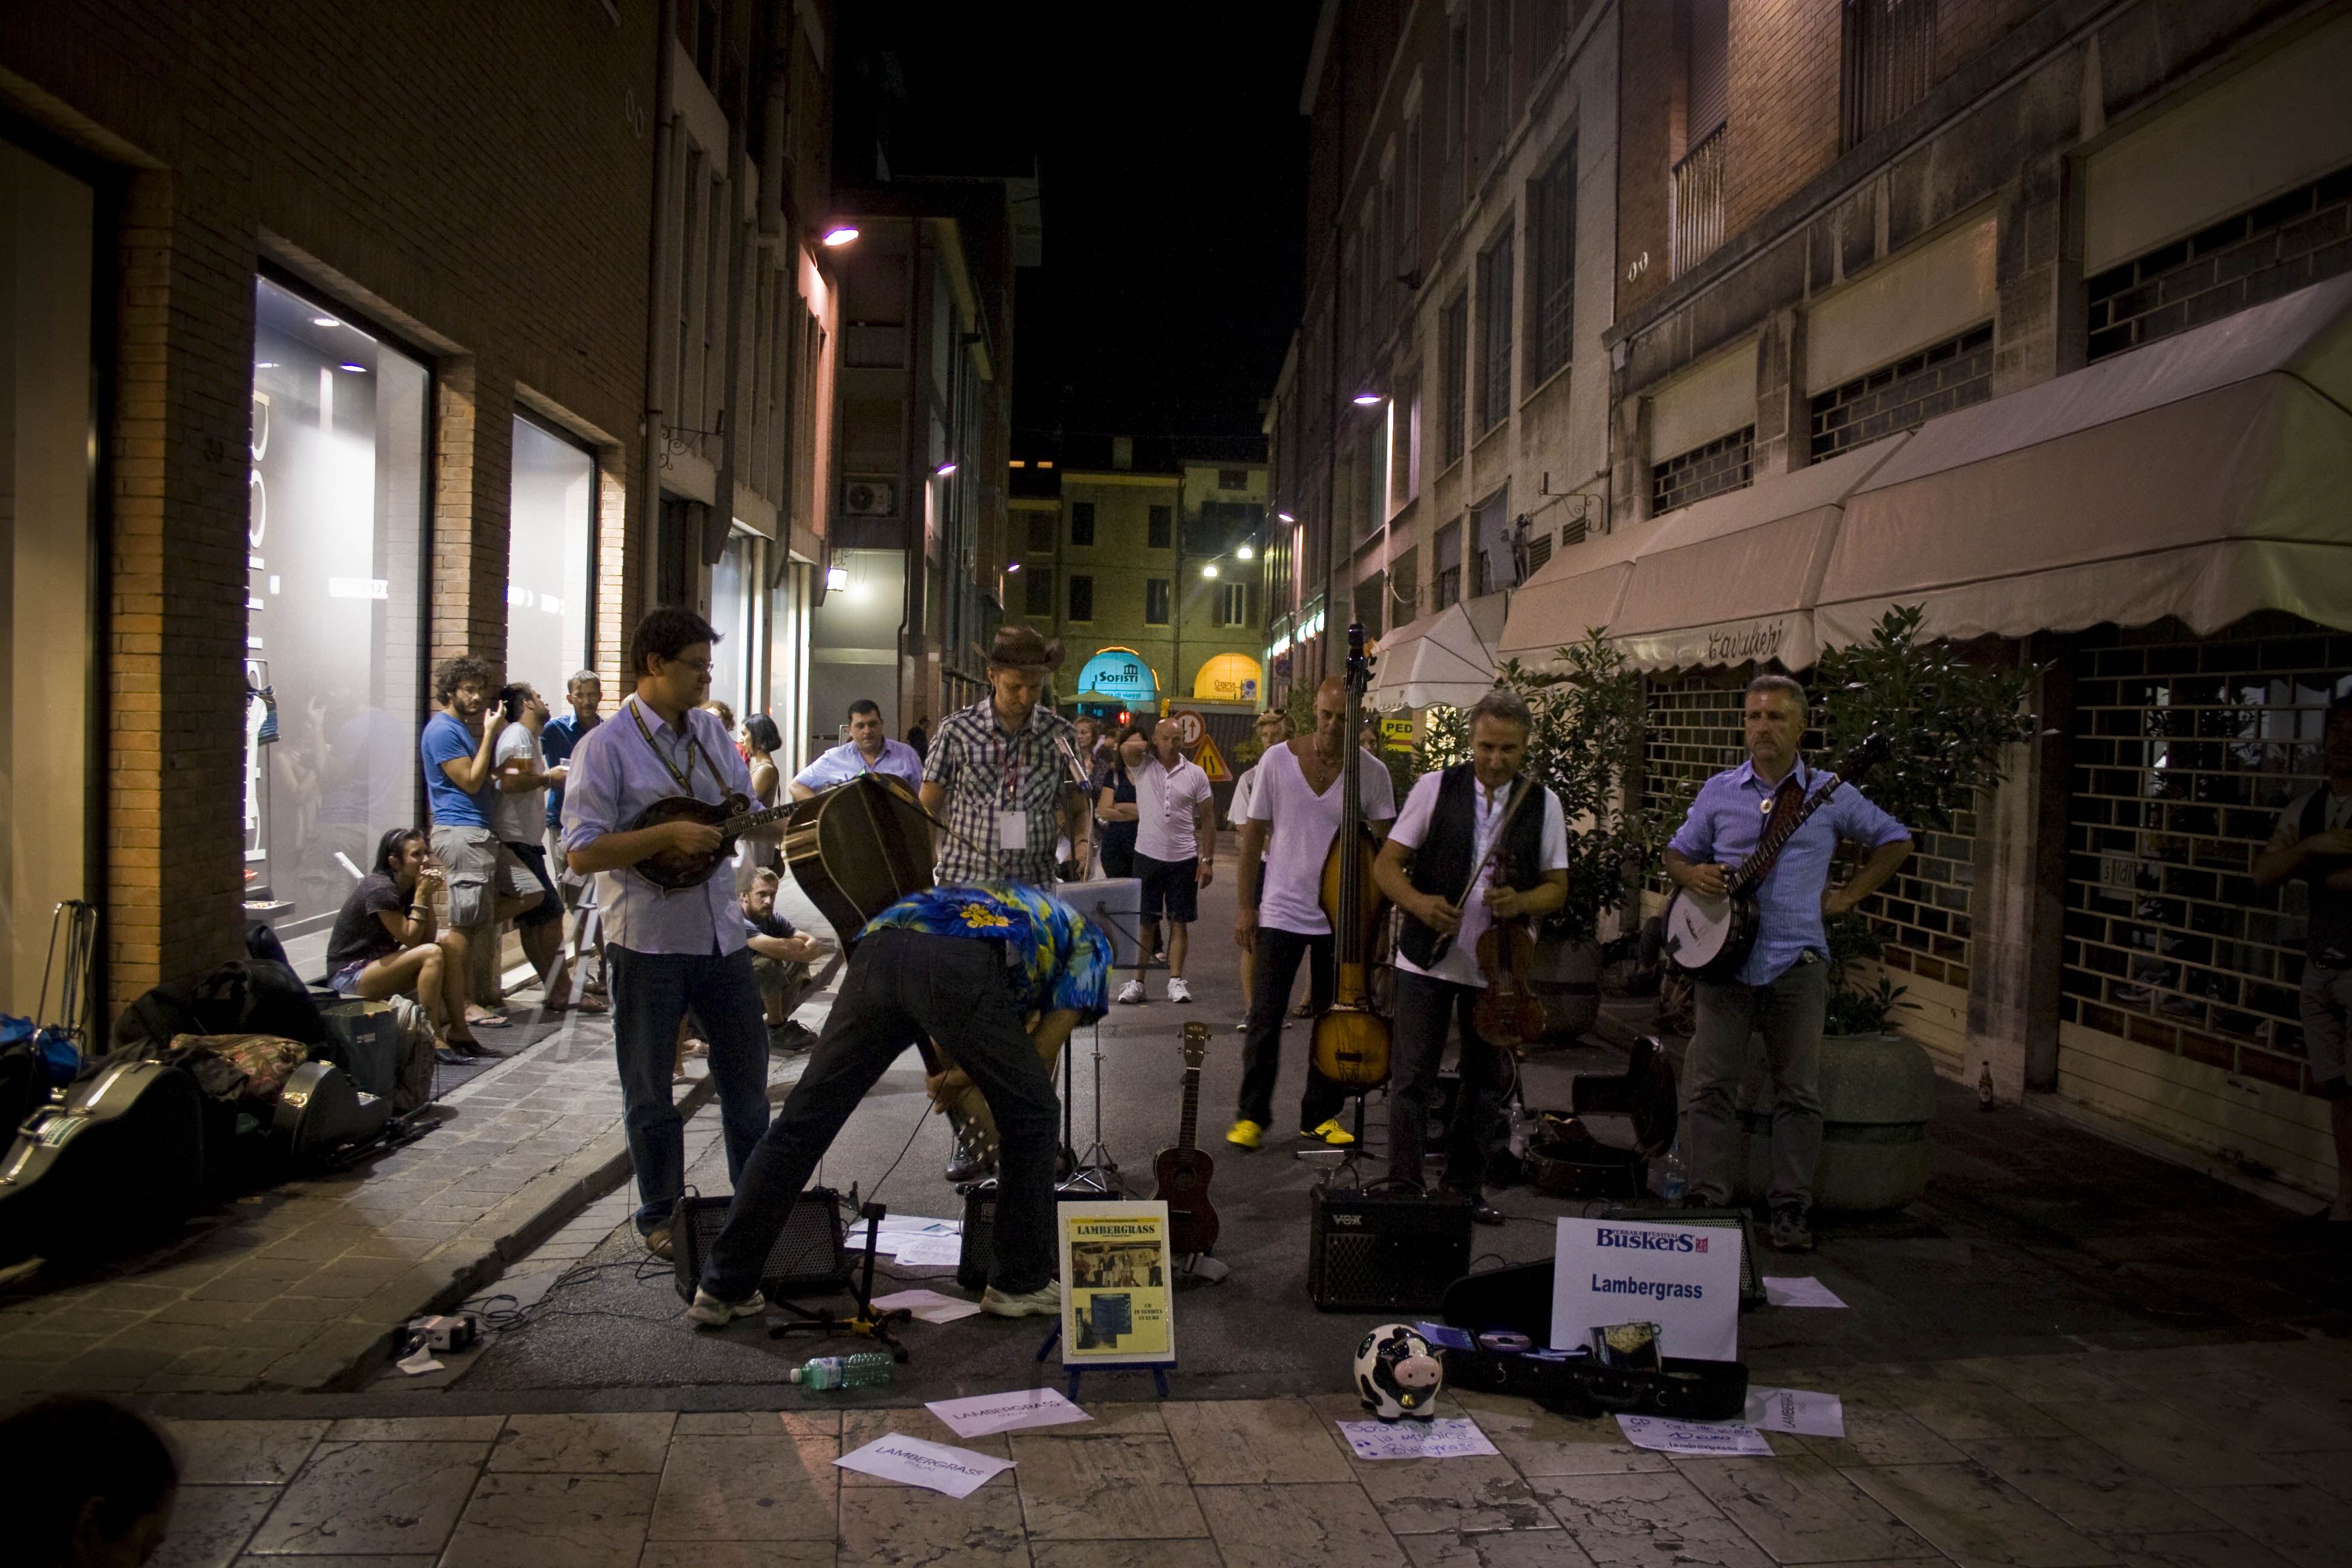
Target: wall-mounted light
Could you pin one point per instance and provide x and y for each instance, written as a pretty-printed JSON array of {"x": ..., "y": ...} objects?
[
  {"x": 1246, "y": 553},
  {"x": 354, "y": 369},
  {"x": 325, "y": 321},
  {"x": 1285, "y": 517},
  {"x": 1210, "y": 570},
  {"x": 840, "y": 234},
  {"x": 1366, "y": 398},
  {"x": 1012, "y": 566},
  {"x": 836, "y": 579},
  {"x": 944, "y": 470}
]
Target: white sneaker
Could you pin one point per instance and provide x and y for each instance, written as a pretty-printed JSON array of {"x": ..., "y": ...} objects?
[
  {"x": 1177, "y": 990},
  {"x": 708, "y": 1308},
  {"x": 1043, "y": 1302},
  {"x": 1131, "y": 992}
]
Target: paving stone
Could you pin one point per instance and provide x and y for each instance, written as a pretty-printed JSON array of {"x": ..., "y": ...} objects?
[
  {"x": 1239, "y": 1441},
  {"x": 2299, "y": 1522},
  {"x": 1103, "y": 1487},
  {"x": 773, "y": 1487},
  {"x": 1538, "y": 1442},
  {"x": 264, "y": 1453},
  {"x": 370, "y": 1561},
  {"x": 1801, "y": 1509},
  {"x": 738, "y": 1554},
  {"x": 373, "y": 1497},
  {"x": 553, "y": 1521},
  {"x": 1968, "y": 1512},
  {"x": 1278, "y": 1526},
  {"x": 603, "y": 1444},
  {"x": 1955, "y": 1410},
  {"x": 210, "y": 1525},
  {"x": 417, "y": 1429},
  {"x": 1651, "y": 1518},
  {"x": 1125, "y": 1554},
  {"x": 2153, "y": 1437},
  {"x": 1509, "y": 1549},
  {"x": 907, "y": 1525},
  {"x": 2194, "y": 1549},
  {"x": 2088, "y": 1487}
]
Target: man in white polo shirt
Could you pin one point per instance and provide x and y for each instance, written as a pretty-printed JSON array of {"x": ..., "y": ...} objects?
[{"x": 1175, "y": 853}]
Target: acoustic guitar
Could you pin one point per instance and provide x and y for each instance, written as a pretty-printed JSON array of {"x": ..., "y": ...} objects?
[
  {"x": 1182, "y": 1172},
  {"x": 1709, "y": 939}
]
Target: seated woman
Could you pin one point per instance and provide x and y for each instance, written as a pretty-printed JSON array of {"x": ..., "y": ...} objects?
[{"x": 382, "y": 945}]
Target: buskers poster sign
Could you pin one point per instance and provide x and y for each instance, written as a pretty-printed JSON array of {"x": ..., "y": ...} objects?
[{"x": 1683, "y": 1277}]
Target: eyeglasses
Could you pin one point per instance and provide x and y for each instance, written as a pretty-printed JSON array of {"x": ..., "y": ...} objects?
[{"x": 699, "y": 666}]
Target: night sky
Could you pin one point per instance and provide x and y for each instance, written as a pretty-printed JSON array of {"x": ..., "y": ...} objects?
[{"x": 1172, "y": 158}]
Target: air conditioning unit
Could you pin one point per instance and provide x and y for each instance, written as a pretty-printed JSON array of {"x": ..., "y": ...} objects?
[{"x": 869, "y": 498}]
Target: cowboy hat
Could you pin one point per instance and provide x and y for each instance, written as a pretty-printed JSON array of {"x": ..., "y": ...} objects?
[{"x": 1019, "y": 647}]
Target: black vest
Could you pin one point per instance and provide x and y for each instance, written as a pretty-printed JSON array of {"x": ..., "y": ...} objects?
[
  {"x": 1442, "y": 863},
  {"x": 2327, "y": 919}
]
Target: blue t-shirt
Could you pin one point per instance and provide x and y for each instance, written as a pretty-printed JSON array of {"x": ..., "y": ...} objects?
[
  {"x": 447, "y": 740},
  {"x": 556, "y": 744}
]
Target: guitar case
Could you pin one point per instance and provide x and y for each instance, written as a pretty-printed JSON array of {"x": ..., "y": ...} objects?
[
  {"x": 119, "y": 1158},
  {"x": 320, "y": 1112}
]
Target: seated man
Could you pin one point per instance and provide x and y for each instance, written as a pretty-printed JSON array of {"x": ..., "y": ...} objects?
[
  {"x": 383, "y": 946},
  {"x": 781, "y": 957},
  {"x": 1003, "y": 972}
]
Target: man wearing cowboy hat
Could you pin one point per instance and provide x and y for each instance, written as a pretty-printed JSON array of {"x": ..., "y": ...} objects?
[{"x": 998, "y": 775}]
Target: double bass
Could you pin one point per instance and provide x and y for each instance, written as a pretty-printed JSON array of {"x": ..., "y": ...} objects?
[{"x": 1351, "y": 1038}]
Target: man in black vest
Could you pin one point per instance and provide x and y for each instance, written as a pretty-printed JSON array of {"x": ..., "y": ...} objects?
[
  {"x": 2314, "y": 841},
  {"x": 1474, "y": 844}
]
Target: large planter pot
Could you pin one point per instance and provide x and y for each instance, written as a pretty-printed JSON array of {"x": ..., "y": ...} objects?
[
  {"x": 1566, "y": 978},
  {"x": 1878, "y": 1093}
]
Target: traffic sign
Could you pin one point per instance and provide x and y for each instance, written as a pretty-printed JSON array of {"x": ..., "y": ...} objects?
[
  {"x": 1212, "y": 761},
  {"x": 1190, "y": 728}
]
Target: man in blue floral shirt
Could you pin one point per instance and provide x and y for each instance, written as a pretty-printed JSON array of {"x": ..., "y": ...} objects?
[{"x": 998, "y": 974}]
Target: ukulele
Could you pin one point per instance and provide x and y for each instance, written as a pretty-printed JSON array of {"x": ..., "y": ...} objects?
[
  {"x": 1182, "y": 1172},
  {"x": 672, "y": 870},
  {"x": 1507, "y": 1013}
]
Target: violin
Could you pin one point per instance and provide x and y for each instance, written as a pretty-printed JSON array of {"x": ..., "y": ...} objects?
[
  {"x": 1507, "y": 1013},
  {"x": 1351, "y": 1038}
]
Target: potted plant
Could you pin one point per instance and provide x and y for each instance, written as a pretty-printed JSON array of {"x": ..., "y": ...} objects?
[
  {"x": 1588, "y": 734},
  {"x": 1945, "y": 722}
]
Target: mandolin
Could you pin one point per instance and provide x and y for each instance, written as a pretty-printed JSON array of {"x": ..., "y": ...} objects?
[
  {"x": 1182, "y": 1172},
  {"x": 1351, "y": 1038},
  {"x": 1507, "y": 1013},
  {"x": 672, "y": 870}
]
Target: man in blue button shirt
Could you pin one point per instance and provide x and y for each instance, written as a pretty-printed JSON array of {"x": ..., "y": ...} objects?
[{"x": 1782, "y": 988}]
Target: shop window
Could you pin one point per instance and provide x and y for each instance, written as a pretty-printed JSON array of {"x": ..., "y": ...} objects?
[
  {"x": 551, "y": 541},
  {"x": 48, "y": 220},
  {"x": 334, "y": 632},
  {"x": 738, "y": 612}
]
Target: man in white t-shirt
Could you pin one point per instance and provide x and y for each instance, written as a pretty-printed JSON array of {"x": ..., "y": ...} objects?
[
  {"x": 1293, "y": 820},
  {"x": 1175, "y": 853},
  {"x": 1273, "y": 729},
  {"x": 1475, "y": 842},
  {"x": 518, "y": 814}
]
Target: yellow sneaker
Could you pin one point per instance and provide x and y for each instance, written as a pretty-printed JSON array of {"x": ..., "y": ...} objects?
[
  {"x": 1331, "y": 1133},
  {"x": 1245, "y": 1135}
]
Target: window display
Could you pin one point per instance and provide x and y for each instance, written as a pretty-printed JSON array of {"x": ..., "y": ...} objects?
[{"x": 550, "y": 541}]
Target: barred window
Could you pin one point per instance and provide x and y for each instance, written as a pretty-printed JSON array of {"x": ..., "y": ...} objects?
[
  {"x": 1454, "y": 354},
  {"x": 1906, "y": 395},
  {"x": 2259, "y": 254},
  {"x": 1448, "y": 586},
  {"x": 1890, "y": 61},
  {"x": 1552, "y": 302},
  {"x": 1495, "y": 332},
  {"x": 1727, "y": 463}
]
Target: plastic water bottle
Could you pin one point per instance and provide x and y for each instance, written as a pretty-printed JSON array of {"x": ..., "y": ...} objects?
[
  {"x": 1674, "y": 1177},
  {"x": 859, "y": 1371}
]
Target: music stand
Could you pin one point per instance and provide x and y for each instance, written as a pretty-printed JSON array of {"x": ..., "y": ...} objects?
[{"x": 1114, "y": 905}]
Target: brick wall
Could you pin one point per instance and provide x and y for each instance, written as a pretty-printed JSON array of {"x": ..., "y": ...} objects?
[
  {"x": 477, "y": 179},
  {"x": 1650, "y": 84},
  {"x": 1783, "y": 128}
]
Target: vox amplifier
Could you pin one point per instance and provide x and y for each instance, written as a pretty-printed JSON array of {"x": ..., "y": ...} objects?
[{"x": 1375, "y": 1251}]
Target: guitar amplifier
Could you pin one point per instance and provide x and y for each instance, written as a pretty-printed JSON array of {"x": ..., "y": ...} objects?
[
  {"x": 1385, "y": 1251},
  {"x": 979, "y": 1254},
  {"x": 809, "y": 1258}
]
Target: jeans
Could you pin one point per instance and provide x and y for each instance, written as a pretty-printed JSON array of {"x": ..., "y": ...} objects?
[
  {"x": 1787, "y": 1012},
  {"x": 651, "y": 992},
  {"x": 902, "y": 985},
  {"x": 1419, "y": 1016},
  {"x": 1278, "y": 955}
]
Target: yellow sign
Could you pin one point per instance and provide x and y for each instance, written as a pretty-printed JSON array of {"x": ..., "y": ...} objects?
[
  {"x": 1118, "y": 1296},
  {"x": 1398, "y": 732},
  {"x": 1210, "y": 761}
]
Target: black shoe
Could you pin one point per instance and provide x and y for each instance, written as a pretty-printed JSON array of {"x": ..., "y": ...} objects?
[
  {"x": 455, "y": 1058},
  {"x": 1789, "y": 1231},
  {"x": 790, "y": 1036},
  {"x": 1486, "y": 1214}
]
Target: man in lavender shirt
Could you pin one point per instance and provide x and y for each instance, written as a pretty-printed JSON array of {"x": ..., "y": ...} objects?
[
  {"x": 666, "y": 952},
  {"x": 1781, "y": 990}
]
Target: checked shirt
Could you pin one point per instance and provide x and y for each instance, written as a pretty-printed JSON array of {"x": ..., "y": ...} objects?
[{"x": 985, "y": 769}]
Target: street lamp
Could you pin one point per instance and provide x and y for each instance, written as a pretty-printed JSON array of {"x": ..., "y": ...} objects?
[
  {"x": 944, "y": 470},
  {"x": 1365, "y": 398},
  {"x": 840, "y": 234},
  {"x": 1245, "y": 553},
  {"x": 1210, "y": 570}
]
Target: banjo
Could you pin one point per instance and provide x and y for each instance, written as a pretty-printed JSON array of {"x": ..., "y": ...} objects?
[{"x": 1708, "y": 939}]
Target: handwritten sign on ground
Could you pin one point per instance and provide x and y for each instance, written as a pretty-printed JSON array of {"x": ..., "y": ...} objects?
[
  {"x": 1683, "y": 1277},
  {"x": 929, "y": 1306},
  {"x": 1666, "y": 1436},
  {"x": 911, "y": 1461},
  {"x": 1453, "y": 1439},
  {"x": 1801, "y": 1410},
  {"x": 984, "y": 1413},
  {"x": 1799, "y": 1290}
]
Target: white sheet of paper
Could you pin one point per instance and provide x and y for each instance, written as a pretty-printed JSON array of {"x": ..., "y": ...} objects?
[
  {"x": 1666, "y": 1436},
  {"x": 895, "y": 1225},
  {"x": 911, "y": 1461},
  {"x": 930, "y": 1251},
  {"x": 1800, "y": 1291},
  {"x": 986, "y": 1413},
  {"x": 418, "y": 1363},
  {"x": 1449, "y": 1439},
  {"x": 1804, "y": 1410},
  {"x": 929, "y": 1306}
]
